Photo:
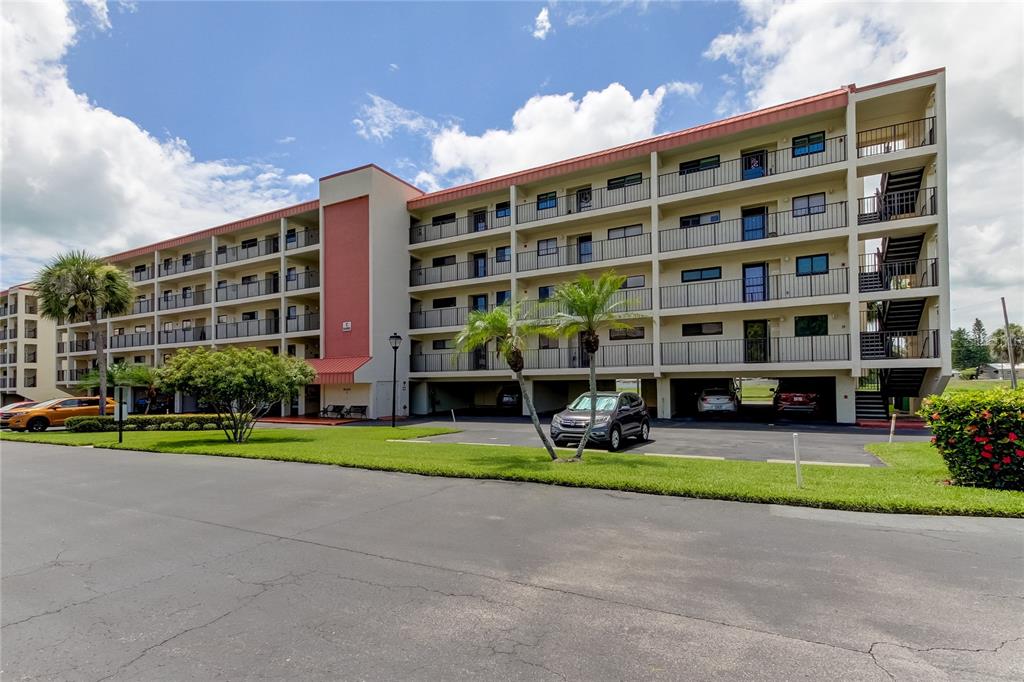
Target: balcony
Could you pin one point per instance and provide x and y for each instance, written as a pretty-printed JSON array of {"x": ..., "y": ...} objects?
[
  {"x": 300, "y": 239},
  {"x": 7, "y": 310},
  {"x": 308, "y": 322},
  {"x": 185, "y": 335},
  {"x": 247, "y": 250},
  {"x": 440, "y": 317},
  {"x": 8, "y": 382},
  {"x": 751, "y": 228},
  {"x": 32, "y": 333},
  {"x": 131, "y": 340},
  {"x": 142, "y": 274},
  {"x": 758, "y": 290},
  {"x": 30, "y": 357},
  {"x": 238, "y": 330},
  {"x": 878, "y": 275},
  {"x": 140, "y": 307},
  {"x": 184, "y": 264},
  {"x": 456, "y": 361},
  {"x": 302, "y": 280},
  {"x": 476, "y": 222},
  {"x": 773, "y": 350},
  {"x": 753, "y": 166},
  {"x": 76, "y": 346},
  {"x": 263, "y": 287},
  {"x": 626, "y": 301},
  {"x": 68, "y": 375},
  {"x": 573, "y": 357},
  {"x": 198, "y": 297},
  {"x": 894, "y": 138},
  {"x": 900, "y": 345},
  {"x": 8, "y": 358},
  {"x": 911, "y": 203},
  {"x": 9, "y": 333},
  {"x": 581, "y": 201},
  {"x": 585, "y": 252},
  {"x": 30, "y": 382},
  {"x": 470, "y": 269}
]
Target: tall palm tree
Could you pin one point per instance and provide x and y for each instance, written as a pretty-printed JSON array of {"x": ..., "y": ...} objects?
[
  {"x": 586, "y": 306},
  {"x": 501, "y": 325},
  {"x": 123, "y": 374},
  {"x": 77, "y": 287},
  {"x": 997, "y": 342}
]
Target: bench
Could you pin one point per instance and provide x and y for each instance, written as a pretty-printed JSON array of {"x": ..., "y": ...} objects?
[
  {"x": 336, "y": 411},
  {"x": 356, "y": 411}
]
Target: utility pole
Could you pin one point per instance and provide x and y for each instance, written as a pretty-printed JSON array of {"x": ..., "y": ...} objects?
[{"x": 1009, "y": 345}]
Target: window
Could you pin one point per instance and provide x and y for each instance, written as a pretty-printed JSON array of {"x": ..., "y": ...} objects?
[
  {"x": 503, "y": 209},
  {"x": 547, "y": 247},
  {"x": 248, "y": 279},
  {"x": 186, "y": 324},
  {"x": 291, "y": 312},
  {"x": 443, "y": 344},
  {"x": 274, "y": 350},
  {"x": 186, "y": 260},
  {"x": 168, "y": 262},
  {"x": 290, "y": 237},
  {"x": 291, "y": 275},
  {"x": 633, "y": 282},
  {"x": 502, "y": 297},
  {"x": 442, "y": 219},
  {"x": 808, "y": 204},
  {"x": 248, "y": 243},
  {"x": 441, "y": 261},
  {"x": 627, "y": 333},
  {"x": 701, "y": 274},
  {"x": 139, "y": 359},
  {"x": 707, "y": 163},
  {"x": 625, "y": 181},
  {"x": 447, "y": 302},
  {"x": 291, "y": 350},
  {"x": 503, "y": 254},
  {"x": 479, "y": 220},
  {"x": 698, "y": 219},
  {"x": 546, "y": 342},
  {"x": 702, "y": 329},
  {"x": 810, "y": 325},
  {"x": 140, "y": 329},
  {"x": 249, "y": 316},
  {"x": 140, "y": 268},
  {"x": 628, "y": 231},
  {"x": 809, "y": 144},
  {"x": 222, "y": 283},
  {"x": 186, "y": 292},
  {"x": 547, "y": 200},
  {"x": 168, "y": 326},
  {"x": 222, "y": 319},
  {"x": 812, "y": 265},
  {"x": 544, "y": 293}
]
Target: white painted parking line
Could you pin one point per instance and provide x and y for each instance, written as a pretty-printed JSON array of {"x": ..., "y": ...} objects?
[
  {"x": 408, "y": 440},
  {"x": 658, "y": 454},
  {"x": 495, "y": 445},
  {"x": 827, "y": 464}
]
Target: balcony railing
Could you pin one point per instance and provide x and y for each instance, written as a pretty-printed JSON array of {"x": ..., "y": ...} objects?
[
  {"x": 440, "y": 317},
  {"x": 263, "y": 287},
  {"x": 30, "y": 357},
  {"x": 143, "y": 274},
  {"x": 878, "y": 275},
  {"x": 910, "y": 203},
  {"x": 756, "y": 290},
  {"x": 752, "y": 167},
  {"x": 236, "y": 330},
  {"x": 893, "y": 138},
  {"x": 31, "y": 333},
  {"x": 197, "y": 261},
  {"x": 582, "y": 201},
  {"x": 198, "y": 297},
  {"x": 76, "y": 346},
  {"x": 263, "y": 247},
  {"x": 8, "y": 358},
  {"x": 907, "y": 345},
  {"x": 30, "y": 309},
  {"x": 66, "y": 375},
  {"x": 131, "y": 340},
  {"x": 468, "y": 224},
  {"x": 771, "y": 350},
  {"x": 301, "y": 238},
  {"x": 627, "y": 300},
  {"x": 751, "y": 228},
  {"x": 141, "y": 307},
  {"x": 585, "y": 252},
  {"x": 302, "y": 280},
  {"x": 7, "y": 310},
  {"x": 186, "y": 335},
  {"x": 456, "y": 361},
  {"x": 307, "y": 322},
  {"x": 470, "y": 269},
  {"x": 30, "y": 382},
  {"x": 612, "y": 355}
]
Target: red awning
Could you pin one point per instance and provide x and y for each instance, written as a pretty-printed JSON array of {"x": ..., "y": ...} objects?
[{"x": 337, "y": 370}]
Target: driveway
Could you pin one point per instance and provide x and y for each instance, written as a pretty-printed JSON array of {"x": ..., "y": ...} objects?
[
  {"x": 729, "y": 440},
  {"x": 122, "y": 566}
]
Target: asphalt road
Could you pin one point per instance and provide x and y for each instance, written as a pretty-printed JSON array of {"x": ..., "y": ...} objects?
[{"x": 120, "y": 565}]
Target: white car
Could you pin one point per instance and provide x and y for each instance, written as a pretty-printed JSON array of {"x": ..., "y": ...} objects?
[{"x": 718, "y": 400}]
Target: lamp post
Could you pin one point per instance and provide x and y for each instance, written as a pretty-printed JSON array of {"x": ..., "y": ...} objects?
[{"x": 396, "y": 341}]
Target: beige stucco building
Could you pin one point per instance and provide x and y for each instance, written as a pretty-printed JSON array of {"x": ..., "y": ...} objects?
[{"x": 27, "y": 343}]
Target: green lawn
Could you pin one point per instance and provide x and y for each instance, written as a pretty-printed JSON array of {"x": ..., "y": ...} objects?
[
  {"x": 956, "y": 384},
  {"x": 912, "y": 483}
]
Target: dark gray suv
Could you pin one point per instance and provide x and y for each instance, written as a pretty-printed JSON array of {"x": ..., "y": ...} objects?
[{"x": 619, "y": 416}]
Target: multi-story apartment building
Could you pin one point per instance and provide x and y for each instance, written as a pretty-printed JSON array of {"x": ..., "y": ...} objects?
[
  {"x": 27, "y": 342},
  {"x": 807, "y": 240}
]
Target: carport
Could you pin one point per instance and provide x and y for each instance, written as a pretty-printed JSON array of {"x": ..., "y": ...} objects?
[
  {"x": 496, "y": 397},
  {"x": 685, "y": 392},
  {"x": 552, "y": 395}
]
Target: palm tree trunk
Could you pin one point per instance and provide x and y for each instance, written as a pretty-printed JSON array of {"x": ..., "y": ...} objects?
[
  {"x": 99, "y": 342},
  {"x": 593, "y": 408},
  {"x": 528, "y": 401}
]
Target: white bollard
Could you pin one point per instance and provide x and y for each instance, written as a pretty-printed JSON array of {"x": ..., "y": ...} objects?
[
  {"x": 453, "y": 415},
  {"x": 892, "y": 427},
  {"x": 796, "y": 458}
]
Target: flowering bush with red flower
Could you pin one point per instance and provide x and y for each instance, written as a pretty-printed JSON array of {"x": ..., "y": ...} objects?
[{"x": 979, "y": 434}]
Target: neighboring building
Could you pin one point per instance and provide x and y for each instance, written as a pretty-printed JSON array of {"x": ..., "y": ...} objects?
[
  {"x": 999, "y": 370},
  {"x": 804, "y": 241},
  {"x": 27, "y": 345}
]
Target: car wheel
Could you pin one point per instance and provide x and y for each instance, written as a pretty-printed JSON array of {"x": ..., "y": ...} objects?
[
  {"x": 38, "y": 424},
  {"x": 645, "y": 432},
  {"x": 614, "y": 439}
]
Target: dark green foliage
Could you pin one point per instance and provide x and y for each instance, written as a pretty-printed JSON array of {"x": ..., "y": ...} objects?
[{"x": 145, "y": 422}]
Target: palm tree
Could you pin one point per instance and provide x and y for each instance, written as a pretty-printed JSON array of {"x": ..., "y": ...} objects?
[
  {"x": 77, "y": 287},
  {"x": 500, "y": 324},
  {"x": 123, "y": 374},
  {"x": 585, "y": 307},
  {"x": 997, "y": 342}
]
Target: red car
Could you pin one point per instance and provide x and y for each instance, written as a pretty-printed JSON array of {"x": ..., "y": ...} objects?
[{"x": 796, "y": 399}]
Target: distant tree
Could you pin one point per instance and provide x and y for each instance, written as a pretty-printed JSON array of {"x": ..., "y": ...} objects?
[
  {"x": 966, "y": 351},
  {"x": 960, "y": 344},
  {"x": 978, "y": 334},
  {"x": 123, "y": 374},
  {"x": 998, "y": 344},
  {"x": 238, "y": 384}
]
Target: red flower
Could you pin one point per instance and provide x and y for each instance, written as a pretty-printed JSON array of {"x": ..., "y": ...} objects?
[
  {"x": 1011, "y": 436},
  {"x": 997, "y": 466},
  {"x": 986, "y": 454},
  {"x": 933, "y": 440},
  {"x": 952, "y": 441},
  {"x": 1019, "y": 452},
  {"x": 980, "y": 439},
  {"x": 1006, "y": 460},
  {"x": 971, "y": 428},
  {"x": 986, "y": 414},
  {"x": 988, "y": 448},
  {"x": 935, "y": 416}
]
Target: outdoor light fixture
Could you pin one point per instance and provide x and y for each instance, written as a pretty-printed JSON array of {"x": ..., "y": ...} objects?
[{"x": 396, "y": 341}]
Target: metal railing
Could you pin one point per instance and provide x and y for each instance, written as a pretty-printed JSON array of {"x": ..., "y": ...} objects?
[
  {"x": 586, "y": 252},
  {"x": 456, "y": 361},
  {"x": 770, "y": 288},
  {"x": 878, "y": 275},
  {"x": 9, "y": 333},
  {"x": 574, "y": 357},
  {"x": 198, "y": 297},
  {"x": 8, "y": 358},
  {"x": 440, "y": 317},
  {"x": 467, "y": 224},
  {"x": 66, "y": 375},
  {"x": 31, "y": 333},
  {"x": 263, "y": 287},
  {"x": 779, "y": 224},
  {"x": 909, "y": 203},
  {"x": 904, "y": 345},
  {"x": 582, "y": 201},
  {"x": 752, "y": 167},
  {"x": 301, "y": 238},
  {"x": 76, "y": 346},
  {"x": 302, "y": 280},
  {"x": 141, "y": 307},
  {"x": 470, "y": 269},
  {"x": 197, "y": 261},
  {"x": 306, "y": 322},
  {"x": 186, "y": 335},
  {"x": 30, "y": 382},
  {"x": 263, "y": 247},
  {"x": 142, "y": 275},
  {"x": 236, "y": 330},
  {"x": 628, "y": 300},
  {"x": 30, "y": 357},
  {"x": 835, "y": 347},
  {"x": 131, "y": 340},
  {"x": 893, "y": 138}
]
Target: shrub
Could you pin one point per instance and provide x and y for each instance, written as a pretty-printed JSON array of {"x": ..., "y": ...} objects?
[
  {"x": 980, "y": 435},
  {"x": 969, "y": 373},
  {"x": 145, "y": 422}
]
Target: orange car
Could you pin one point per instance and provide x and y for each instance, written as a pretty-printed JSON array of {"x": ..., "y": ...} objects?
[{"x": 53, "y": 413}]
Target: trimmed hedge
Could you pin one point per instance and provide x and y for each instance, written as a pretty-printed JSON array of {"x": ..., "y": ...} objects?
[
  {"x": 980, "y": 435},
  {"x": 145, "y": 422}
]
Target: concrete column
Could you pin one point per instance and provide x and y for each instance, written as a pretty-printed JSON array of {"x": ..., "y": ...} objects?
[
  {"x": 655, "y": 268},
  {"x": 420, "y": 403},
  {"x": 846, "y": 406},
  {"x": 665, "y": 406},
  {"x": 853, "y": 244},
  {"x": 943, "y": 221}
]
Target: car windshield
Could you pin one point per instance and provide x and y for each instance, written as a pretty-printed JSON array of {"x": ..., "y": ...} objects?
[
  {"x": 47, "y": 403},
  {"x": 605, "y": 403},
  {"x": 16, "y": 406}
]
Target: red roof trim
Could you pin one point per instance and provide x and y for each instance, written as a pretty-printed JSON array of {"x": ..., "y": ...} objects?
[{"x": 372, "y": 165}]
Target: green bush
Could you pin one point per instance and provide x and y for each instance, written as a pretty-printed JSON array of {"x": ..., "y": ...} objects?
[
  {"x": 980, "y": 434},
  {"x": 145, "y": 422},
  {"x": 969, "y": 373}
]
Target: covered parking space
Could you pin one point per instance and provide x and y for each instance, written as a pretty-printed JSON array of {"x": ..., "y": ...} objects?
[
  {"x": 490, "y": 397},
  {"x": 551, "y": 394}
]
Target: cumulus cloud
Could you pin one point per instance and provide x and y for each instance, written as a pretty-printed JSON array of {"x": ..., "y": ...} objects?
[
  {"x": 300, "y": 179},
  {"x": 77, "y": 175},
  {"x": 542, "y": 24},
  {"x": 688, "y": 89},
  {"x": 381, "y": 118},
  {"x": 788, "y": 50}
]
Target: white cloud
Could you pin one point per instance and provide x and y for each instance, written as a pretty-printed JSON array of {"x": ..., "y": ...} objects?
[
  {"x": 76, "y": 175},
  {"x": 393, "y": 67},
  {"x": 789, "y": 50},
  {"x": 542, "y": 24},
  {"x": 288, "y": 139},
  {"x": 689, "y": 89},
  {"x": 300, "y": 179},
  {"x": 381, "y": 118}
]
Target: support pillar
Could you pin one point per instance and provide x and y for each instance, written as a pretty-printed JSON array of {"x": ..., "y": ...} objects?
[{"x": 665, "y": 407}]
